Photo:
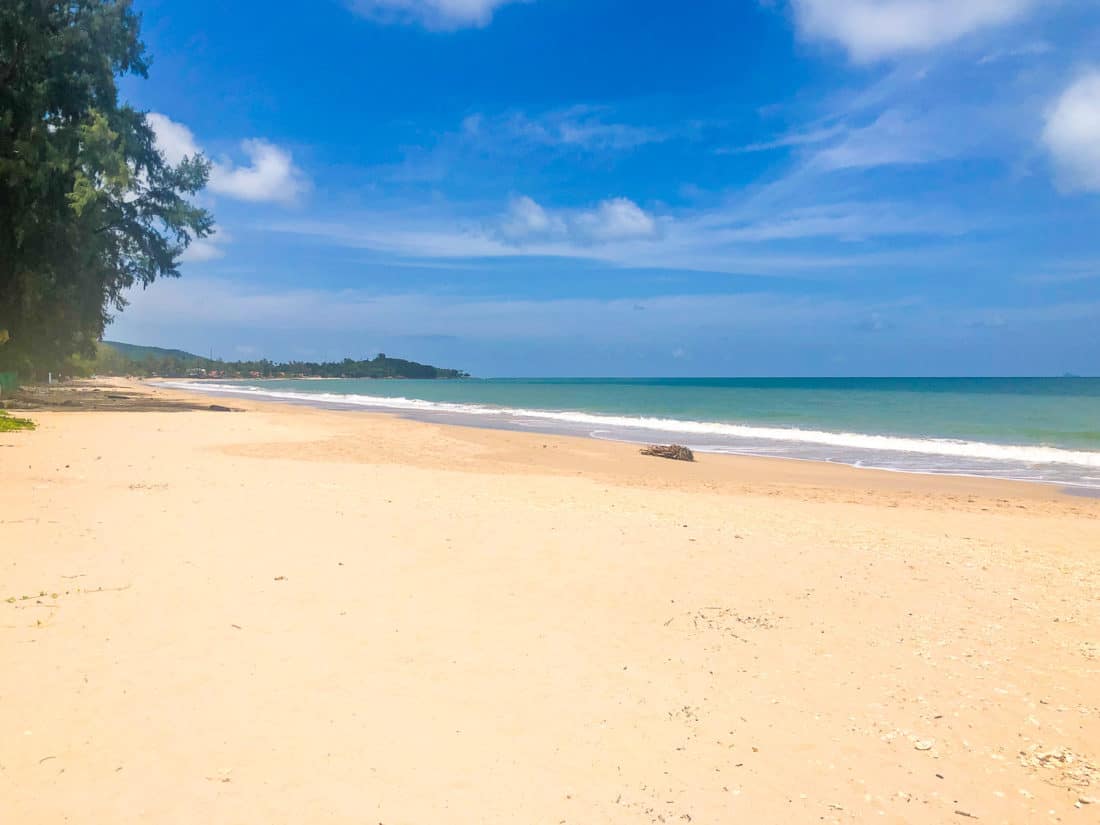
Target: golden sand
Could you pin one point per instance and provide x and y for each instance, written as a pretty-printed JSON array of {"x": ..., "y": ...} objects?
[{"x": 289, "y": 615}]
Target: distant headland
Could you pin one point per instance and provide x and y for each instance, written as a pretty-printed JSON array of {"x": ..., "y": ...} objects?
[{"x": 117, "y": 358}]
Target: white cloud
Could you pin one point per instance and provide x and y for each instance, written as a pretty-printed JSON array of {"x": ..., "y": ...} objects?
[
  {"x": 201, "y": 250},
  {"x": 174, "y": 140},
  {"x": 526, "y": 219},
  {"x": 205, "y": 249},
  {"x": 617, "y": 219},
  {"x": 440, "y": 15},
  {"x": 271, "y": 175},
  {"x": 875, "y": 29},
  {"x": 1072, "y": 134}
]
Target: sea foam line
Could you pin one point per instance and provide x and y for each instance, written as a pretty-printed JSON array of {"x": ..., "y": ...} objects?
[{"x": 862, "y": 441}]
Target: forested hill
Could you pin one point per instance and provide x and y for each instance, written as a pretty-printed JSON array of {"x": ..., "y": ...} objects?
[
  {"x": 115, "y": 358},
  {"x": 138, "y": 353}
]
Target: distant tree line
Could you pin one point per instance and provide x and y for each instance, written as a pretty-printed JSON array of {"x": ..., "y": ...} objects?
[{"x": 110, "y": 361}]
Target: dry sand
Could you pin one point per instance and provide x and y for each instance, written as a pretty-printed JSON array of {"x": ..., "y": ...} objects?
[{"x": 290, "y": 615}]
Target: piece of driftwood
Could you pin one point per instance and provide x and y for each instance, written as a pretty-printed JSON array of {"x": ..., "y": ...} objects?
[{"x": 673, "y": 451}]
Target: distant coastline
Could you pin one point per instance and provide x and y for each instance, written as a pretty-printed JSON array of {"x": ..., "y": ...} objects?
[{"x": 121, "y": 359}]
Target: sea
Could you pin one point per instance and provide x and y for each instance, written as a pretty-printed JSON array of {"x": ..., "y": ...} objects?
[{"x": 1029, "y": 429}]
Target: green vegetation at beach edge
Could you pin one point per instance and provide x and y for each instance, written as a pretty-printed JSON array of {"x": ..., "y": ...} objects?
[
  {"x": 9, "y": 423},
  {"x": 115, "y": 358}
]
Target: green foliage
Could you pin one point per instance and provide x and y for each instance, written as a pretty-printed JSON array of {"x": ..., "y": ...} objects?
[
  {"x": 9, "y": 423},
  {"x": 88, "y": 206},
  {"x": 113, "y": 358}
]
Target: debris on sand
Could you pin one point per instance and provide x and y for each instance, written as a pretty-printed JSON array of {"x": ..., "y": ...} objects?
[
  {"x": 673, "y": 451},
  {"x": 1061, "y": 767}
]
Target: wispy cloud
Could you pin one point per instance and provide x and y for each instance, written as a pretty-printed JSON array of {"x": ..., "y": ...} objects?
[
  {"x": 1032, "y": 49},
  {"x": 231, "y": 304},
  {"x": 853, "y": 222},
  {"x": 1064, "y": 273},
  {"x": 896, "y": 137},
  {"x": 578, "y": 132},
  {"x": 740, "y": 237},
  {"x": 807, "y": 137},
  {"x": 582, "y": 127},
  {"x": 440, "y": 15},
  {"x": 911, "y": 115},
  {"x": 716, "y": 332},
  {"x": 176, "y": 308}
]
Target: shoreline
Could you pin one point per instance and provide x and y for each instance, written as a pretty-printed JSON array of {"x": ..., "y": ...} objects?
[
  {"x": 776, "y": 470},
  {"x": 492, "y": 419}
]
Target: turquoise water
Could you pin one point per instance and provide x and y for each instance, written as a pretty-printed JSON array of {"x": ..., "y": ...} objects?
[{"x": 1042, "y": 429}]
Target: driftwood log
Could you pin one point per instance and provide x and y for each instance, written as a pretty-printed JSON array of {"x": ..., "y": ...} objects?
[{"x": 673, "y": 451}]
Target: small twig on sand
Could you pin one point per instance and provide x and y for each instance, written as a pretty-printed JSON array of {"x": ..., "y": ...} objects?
[{"x": 106, "y": 589}]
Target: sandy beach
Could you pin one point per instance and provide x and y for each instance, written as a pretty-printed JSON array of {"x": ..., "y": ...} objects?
[{"x": 292, "y": 615}]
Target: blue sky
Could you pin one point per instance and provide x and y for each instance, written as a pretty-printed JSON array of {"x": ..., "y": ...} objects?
[{"x": 634, "y": 187}]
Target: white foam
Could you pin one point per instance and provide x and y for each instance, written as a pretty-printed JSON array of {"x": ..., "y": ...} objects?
[{"x": 1021, "y": 454}]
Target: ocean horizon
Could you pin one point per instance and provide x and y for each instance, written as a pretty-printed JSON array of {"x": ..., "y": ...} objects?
[{"x": 1027, "y": 429}]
